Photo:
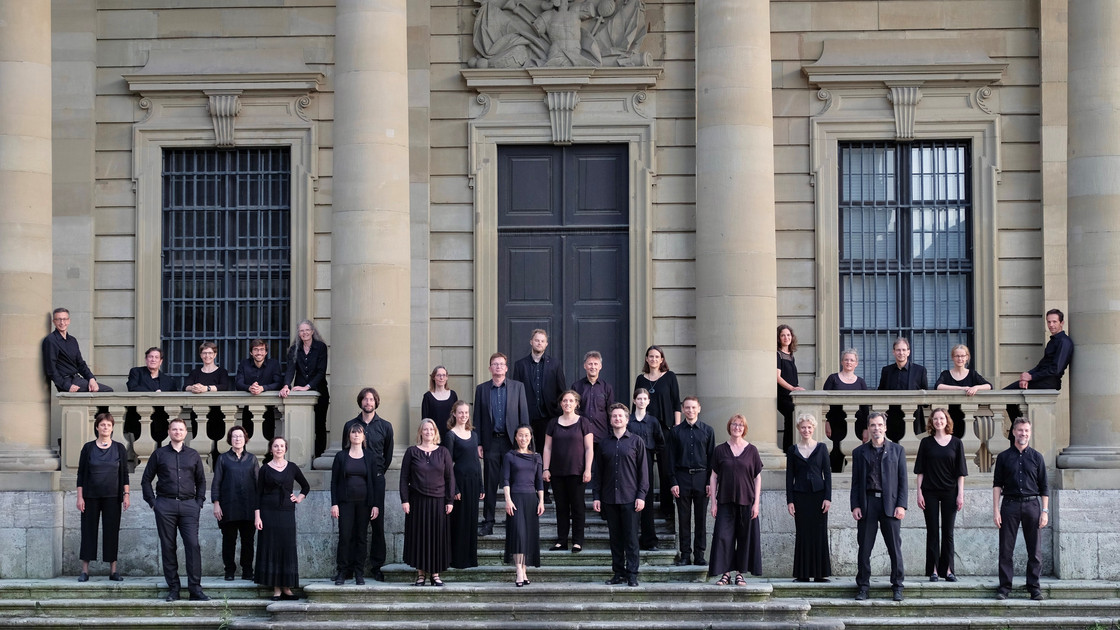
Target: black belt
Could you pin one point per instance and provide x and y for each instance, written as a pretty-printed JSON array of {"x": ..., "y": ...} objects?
[
  {"x": 693, "y": 471},
  {"x": 167, "y": 496},
  {"x": 875, "y": 493},
  {"x": 1021, "y": 498},
  {"x": 499, "y": 434}
]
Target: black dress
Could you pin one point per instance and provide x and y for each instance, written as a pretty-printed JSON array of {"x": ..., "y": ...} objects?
[
  {"x": 438, "y": 410},
  {"x": 277, "y": 556},
  {"x": 808, "y": 486},
  {"x": 428, "y": 487},
  {"x": 788, "y": 369},
  {"x": 972, "y": 379},
  {"x": 664, "y": 404},
  {"x": 468, "y": 484},
  {"x": 736, "y": 537},
  {"x": 524, "y": 474},
  {"x": 838, "y": 420}
]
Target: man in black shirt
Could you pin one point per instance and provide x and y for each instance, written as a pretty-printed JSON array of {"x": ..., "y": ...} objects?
[
  {"x": 258, "y": 373},
  {"x": 690, "y": 447},
  {"x": 595, "y": 395},
  {"x": 619, "y": 484},
  {"x": 177, "y": 499},
  {"x": 1051, "y": 367},
  {"x": 1020, "y": 478},
  {"x": 902, "y": 375},
  {"x": 379, "y": 440},
  {"x": 878, "y": 501},
  {"x": 63, "y": 362},
  {"x": 150, "y": 377},
  {"x": 543, "y": 377}
]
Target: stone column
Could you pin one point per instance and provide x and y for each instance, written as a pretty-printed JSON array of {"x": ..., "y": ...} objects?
[
  {"x": 736, "y": 295},
  {"x": 25, "y": 239},
  {"x": 1094, "y": 234},
  {"x": 370, "y": 263}
]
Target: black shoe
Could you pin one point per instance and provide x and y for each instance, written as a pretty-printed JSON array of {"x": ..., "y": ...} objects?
[
  {"x": 682, "y": 561},
  {"x": 172, "y": 596},
  {"x": 115, "y": 577},
  {"x": 950, "y": 578},
  {"x": 199, "y": 597},
  {"x": 633, "y": 581},
  {"x": 339, "y": 580},
  {"x": 359, "y": 579},
  {"x": 288, "y": 597},
  {"x": 933, "y": 577},
  {"x": 821, "y": 579},
  {"x": 338, "y": 576},
  {"x": 897, "y": 593},
  {"x": 379, "y": 576},
  {"x": 652, "y": 547},
  {"x": 84, "y": 577},
  {"x": 485, "y": 530},
  {"x": 861, "y": 595},
  {"x": 618, "y": 579},
  {"x": 1001, "y": 595},
  {"x": 229, "y": 576},
  {"x": 558, "y": 547},
  {"x": 247, "y": 576},
  {"x": 699, "y": 560},
  {"x": 1036, "y": 596},
  {"x": 276, "y": 598}
]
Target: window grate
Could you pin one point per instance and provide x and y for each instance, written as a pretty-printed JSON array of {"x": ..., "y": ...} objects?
[
  {"x": 905, "y": 213},
  {"x": 226, "y": 273}
]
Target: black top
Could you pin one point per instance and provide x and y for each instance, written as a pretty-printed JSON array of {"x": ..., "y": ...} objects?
[
  {"x": 664, "y": 397},
  {"x": 972, "y": 379},
  {"x": 235, "y": 485},
  {"x": 274, "y": 487},
  {"x": 1021, "y": 474},
  {"x": 690, "y": 446},
  {"x": 179, "y": 475},
  {"x": 568, "y": 455},
  {"x": 833, "y": 382},
  {"x": 788, "y": 368},
  {"x": 735, "y": 475},
  {"x": 1055, "y": 359},
  {"x": 811, "y": 474},
  {"x": 940, "y": 466},
  {"x": 102, "y": 472},
  {"x": 649, "y": 430},
  {"x": 427, "y": 473},
  {"x": 913, "y": 376},
  {"x": 361, "y": 475},
  {"x": 308, "y": 369},
  {"x": 619, "y": 474},
  {"x": 544, "y": 383},
  {"x": 219, "y": 378},
  {"x": 62, "y": 360},
  {"x": 268, "y": 375},
  {"x": 438, "y": 410},
  {"x": 379, "y": 439},
  {"x": 522, "y": 472},
  {"x": 594, "y": 401},
  {"x": 464, "y": 455},
  {"x": 140, "y": 380}
]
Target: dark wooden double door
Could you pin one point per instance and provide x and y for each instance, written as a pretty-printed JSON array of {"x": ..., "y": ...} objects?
[{"x": 563, "y": 254}]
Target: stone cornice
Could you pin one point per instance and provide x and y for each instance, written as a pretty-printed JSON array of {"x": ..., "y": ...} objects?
[
  {"x": 865, "y": 62},
  {"x": 560, "y": 79}
]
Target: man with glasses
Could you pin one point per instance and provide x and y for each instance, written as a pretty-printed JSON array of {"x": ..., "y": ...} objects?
[
  {"x": 499, "y": 409},
  {"x": 63, "y": 362}
]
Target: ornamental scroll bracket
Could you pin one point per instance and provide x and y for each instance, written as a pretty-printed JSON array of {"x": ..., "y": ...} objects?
[
  {"x": 224, "y": 107},
  {"x": 561, "y": 107},
  {"x": 905, "y": 99}
]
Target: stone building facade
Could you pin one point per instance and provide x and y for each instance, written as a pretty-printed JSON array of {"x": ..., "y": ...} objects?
[{"x": 395, "y": 114}]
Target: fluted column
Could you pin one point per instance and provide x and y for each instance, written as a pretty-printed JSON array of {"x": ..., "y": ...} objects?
[
  {"x": 370, "y": 261},
  {"x": 736, "y": 294},
  {"x": 25, "y": 235},
  {"x": 1094, "y": 234}
]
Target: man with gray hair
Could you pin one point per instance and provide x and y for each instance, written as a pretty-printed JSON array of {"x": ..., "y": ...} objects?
[
  {"x": 878, "y": 501},
  {"x": 595, "y": 395}
]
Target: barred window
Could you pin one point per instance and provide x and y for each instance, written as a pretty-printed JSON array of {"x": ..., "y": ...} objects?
[
  {"x": 226, "y": 253},
  {"x": 905, "y": 212}
]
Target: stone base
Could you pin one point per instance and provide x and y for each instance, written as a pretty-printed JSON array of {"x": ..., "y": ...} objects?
[
  {"x": 31, "y": 526},
  {"x": 1090, "y": 457}
]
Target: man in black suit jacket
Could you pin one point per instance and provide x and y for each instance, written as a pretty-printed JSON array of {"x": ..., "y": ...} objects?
[
  {"x": 149, "y": 377},
  {"x": 903, "y": 375},
  {"x": 879, "y": 501},
  {"x": 258, "y": 373},
  {"x": 543, "y": 378},
  {"x": 499, "y": 409}
]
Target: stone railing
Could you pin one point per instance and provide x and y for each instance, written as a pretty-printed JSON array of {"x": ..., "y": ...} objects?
[
  {"x": 986, "y": 421},
  {"x": 293, "y": 417}
]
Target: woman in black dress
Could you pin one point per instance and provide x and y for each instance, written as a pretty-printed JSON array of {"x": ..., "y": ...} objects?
[
  {"x": 462, "y": 441},
  {"x": 665, "y": 405},
  {"x": 959, "y": 377},
  {"x": 234, "y": 493},
  {"x": 836, "y": 420},
  {"x": 787, "y": 381},
  {"x": 568, "y": 448},
  {"x": 277, "y": 558},
  {"x": 808, "y": 499},
  {"x": 427, "y": 498},
  {"x": 102, "y": 494},
  {"x": 941, "y": 469},
  {"x": 357, "y": 494},
  {"x": 523, "y": 484},
  {"x": 439, "y": 399},
  {"x": 307, "y": 370},
  {"x": 736, "y": 489}
]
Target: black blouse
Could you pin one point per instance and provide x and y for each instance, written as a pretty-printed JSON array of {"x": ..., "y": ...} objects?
[
  {"x": 940, "y": 465},
  {"x": 788, "y": 368},
  {"x": 735, "y": 475},
  {"x": 808, "y": 474},
  {"x": 235, "y": 485},
  {"x": 219, "y": 378},
  {"x": 972, "y": 379},
  {"x": 568, "y": 454},
  {"x": 102, "y": 472},
  {"x": 428, "y": 473},
  {"x": 274, "y": 487},
  {"x": 522, "y": 472},
  {"x": 438, "y": 410},
  {"x": 307, "y": 369},
  {"x": 664, "y": 397}
]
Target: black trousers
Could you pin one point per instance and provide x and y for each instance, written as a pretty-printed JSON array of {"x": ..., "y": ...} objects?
[
  {"x": 569, "y": 494},
  {"x": 83, "y": 385},
  {"x": 941, "y": 505},
  {"x": 179, "y": 516},
  {"x": 693, "y": 501},
  {"x": 622, "y": 524},
  {"x": 492, "y": 475},
  {"x": 648, "y": 536},
  {"x": 665, "y": 502},
  {"x": 107, "y": 510},
  {"x": 231, "y": 531},
  {"x": 1012, "y": 515},
  {"x": 786, "y": 408},
  {"x": 879, "y": 517},
  {"x": 353, "y": 523},
  {"x": 376, "y": 542}
]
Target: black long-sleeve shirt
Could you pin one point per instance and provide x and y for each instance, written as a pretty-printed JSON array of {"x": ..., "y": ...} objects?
[
  {"x": 1021, "y": 473},
  {"x": 235, "y": 485},
  {"x": 268, "y": 375},
  {"x": 430, "y": 473},
  {"x": 619, "y": 472},
  {"x": 691, "y": 447},
  {"x": 1055, "y": 359},
  {"x": 62, "y": 360},
  {"x": 219, "y": 379},
  {"x": 179, "y": 475},
  {"x": 140, "y": 380},
  {"x": 649, "y": 430},
  {"x": 379, "y": 439}
]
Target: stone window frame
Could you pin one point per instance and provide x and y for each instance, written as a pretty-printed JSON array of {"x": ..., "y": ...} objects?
[
  {"x": 560, "y": 106},
  {"x": 205, "y": 111},
  {"x": 909, "y": 99}
]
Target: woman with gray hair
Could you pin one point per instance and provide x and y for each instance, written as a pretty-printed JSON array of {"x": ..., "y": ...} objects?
[
  {"x": 836, "y": 420},
  {"x": 307, "y": 370}
]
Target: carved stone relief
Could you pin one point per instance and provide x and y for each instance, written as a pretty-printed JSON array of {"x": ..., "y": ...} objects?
[{"x": 559, "y": 33}]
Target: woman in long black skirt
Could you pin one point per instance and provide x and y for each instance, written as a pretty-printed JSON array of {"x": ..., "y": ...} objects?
[
  {"x": 427, "y": 498},
  {"x": 736, "y": 487},
  {"x": 808, "y": 499},
  {"x": 523, "y": 484},
  {"x": 277, "y": 559},
  {"x": 462, "y": 441}
]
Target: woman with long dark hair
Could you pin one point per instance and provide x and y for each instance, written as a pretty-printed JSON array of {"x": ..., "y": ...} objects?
[
  {"x": 307, "y": 370},
  {"x": 941, "y": 468},
  {"x": 277, "y": 557},
  {"x": 462, "y": 442},
  {"x": 523, "y": 484},
  {"x": 787, "y": 381},
  {"x": 665, "y": 405}
]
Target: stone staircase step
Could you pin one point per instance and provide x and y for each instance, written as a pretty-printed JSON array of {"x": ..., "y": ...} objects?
[
  {"x": 505, "y": 593},
  {"x": 701, "y": 624},
  {"x": 500, "y": 573},
  {"x": 590, "y": 556}
]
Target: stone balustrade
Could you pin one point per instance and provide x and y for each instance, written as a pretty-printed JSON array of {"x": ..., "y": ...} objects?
[
  {"x": 294, "y": 419},
  {"x": 986, "y": 421}
]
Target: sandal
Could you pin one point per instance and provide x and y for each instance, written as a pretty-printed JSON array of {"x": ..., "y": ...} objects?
[
  {"x": 724, "y": 580},
  {"x": 558, "y": 547},
  {"x": 419, "y": 581},
  {"x": 577, "y": 548},
  {"x": 740, "y": 580},
  {"x": 436, "y": 581}
]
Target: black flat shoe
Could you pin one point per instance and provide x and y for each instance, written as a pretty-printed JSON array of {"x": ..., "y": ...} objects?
[
  {"x": 115, "y": 577},
  {"x": 618, "y": 579},
  {"x": 577, "y": 548},
  {"x": 199, "y": 597},
  {"x": 339, "y": 581},
  {"x": 558, "y": 547},
  {"x": 275, "y": 598},
  {"x": 359, "y": 580},
  {"x": 950, "y": 578},
  {"x": 84, "y": 577},
  {"x": 229, "y": 577},
  {"x": 288, "y": 597}
]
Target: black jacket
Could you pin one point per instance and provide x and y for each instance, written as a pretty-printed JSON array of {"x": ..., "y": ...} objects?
[{"x": 552, "y": 384}]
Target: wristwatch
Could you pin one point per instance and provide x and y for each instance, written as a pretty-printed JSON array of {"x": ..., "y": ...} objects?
[{"x": 1045, "y": 510}]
